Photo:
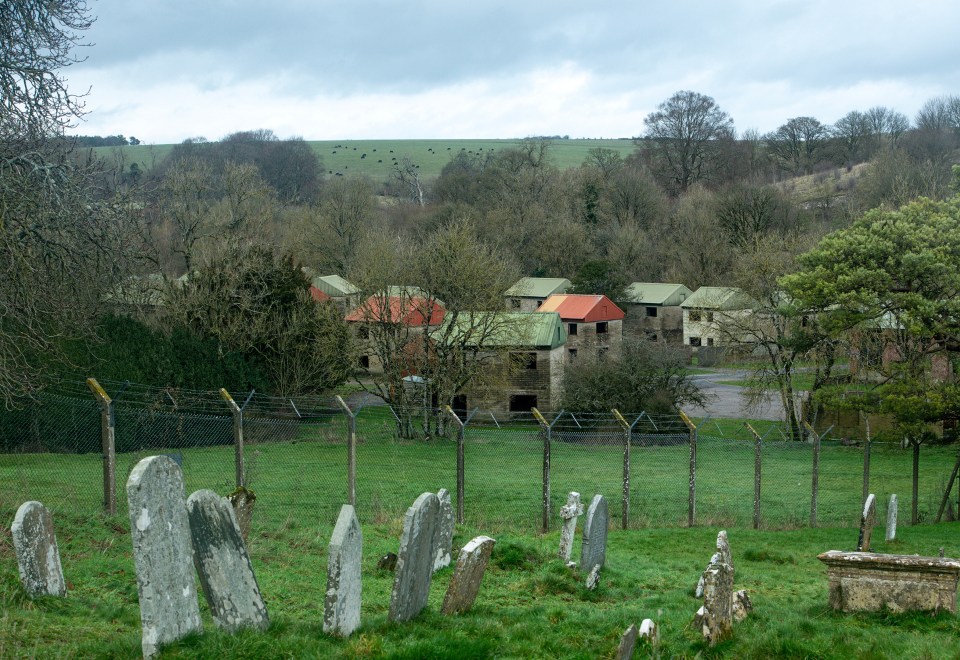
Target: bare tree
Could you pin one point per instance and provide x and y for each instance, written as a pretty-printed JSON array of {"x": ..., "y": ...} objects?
[
  {"x": 796, "y": 145},
  {"x": 407, "y": 174},
  {"x": 345, "y": 213}
]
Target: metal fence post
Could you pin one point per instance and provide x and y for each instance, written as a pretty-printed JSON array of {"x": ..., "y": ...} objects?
[
  {"x": 547, "y": 430},
  {"x": 692, "y": 497},
  {"x": 756, "y": 476},
  {"x": 627, "y": 432},
  {"x": 461, "y": 480},
  {"x": 108, "y": 446},
  {"x": 351, "y": 452},
  {"x": 237, "y": 413},
  {"x": 815, "y": 479}
]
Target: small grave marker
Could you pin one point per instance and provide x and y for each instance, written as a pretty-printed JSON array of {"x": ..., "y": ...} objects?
[
  {"x": 411, "y": 584},
  {"x": 471, "y": 565},
  {"x": 341, "y": 612},
  {"x": 38, "y": 558}
]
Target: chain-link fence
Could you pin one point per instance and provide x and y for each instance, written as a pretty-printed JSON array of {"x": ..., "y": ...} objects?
[{"x": 504, "y": 470}]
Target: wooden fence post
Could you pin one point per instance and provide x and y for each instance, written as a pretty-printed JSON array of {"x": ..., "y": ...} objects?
[
  {"x": 756, "y": 476},
  {"x": 351, "y": 452},
  {"x": 815, "y": 478},
  {"x": 547, "y": 430},
  {"x": 237, "y": 413},
  {"x": 627, "y": 431},
  {"x": 692, "y": 498},
  {"x": 461, "y": 477},
  {"x": 108, "y": 446}
]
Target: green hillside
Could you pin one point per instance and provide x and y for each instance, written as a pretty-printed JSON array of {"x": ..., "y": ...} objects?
[{"x": 374, "y": 158}]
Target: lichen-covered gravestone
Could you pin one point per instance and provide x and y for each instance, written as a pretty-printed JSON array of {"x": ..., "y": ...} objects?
[
  {"x": 443, "y": 542},
  {"x": 341, "y": 608},
  {"x": 411, "y": 583},
  {"x": 569, "y": 512},
  {"x": 593, "y": 552},
  {"x": 715, "y": 618},
  {"x": 38, "y": 558},
  {"x": 892, "y": 519},
  {"x": 162, "y": 553},
  {"x": 867, "y": 521},
  {"x": 721, "y": 556},
  {"x": 223, "y": 564},
  {"x": 465, "y": 585}
]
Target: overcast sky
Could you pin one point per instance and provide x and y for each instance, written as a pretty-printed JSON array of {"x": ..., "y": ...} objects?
[{"x": 166, "y": 70}]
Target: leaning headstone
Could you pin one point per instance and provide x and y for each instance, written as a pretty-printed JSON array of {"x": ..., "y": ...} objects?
[
  {"x": 411, "y": 583},
  {"x": 443, "y": 543},
  {"x": 341, "y": 609},
  {"x": 162, "y": 553},
  {"x": 892, "y": 518},
  {"x": 38, "y": 558},
  {"x": 569, "y": 512},
  {"x": 627, "y": 642},
  {"x": 242, "y": 500},
  {"x": 867, "y": 521},
  {"x": 649, "y": 632},
  {"x": 715, "y": 618},
  {"x": 223, "y": 564},
  {"x": 593, "y": 552},
  {"x": 465, "y": 585}
]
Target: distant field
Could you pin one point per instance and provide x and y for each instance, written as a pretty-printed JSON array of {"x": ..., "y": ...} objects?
[{"x": 374, "y": 158}]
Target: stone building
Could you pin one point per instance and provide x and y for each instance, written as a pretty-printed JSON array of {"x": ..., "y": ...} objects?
[
  {"x": 653, "y": 311},
  {"x": 594, "y": 324},
  {"x": 530, "y": 292}
]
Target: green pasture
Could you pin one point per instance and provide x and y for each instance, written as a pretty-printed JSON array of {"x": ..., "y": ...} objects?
[{"x": 376, "y": 158}]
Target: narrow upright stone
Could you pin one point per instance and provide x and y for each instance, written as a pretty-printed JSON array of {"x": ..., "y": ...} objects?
[
  {"x": 569, "y": 512},
  {"x": 892, "y": 518},
  {"x": 443, "y": 543},
  {"x": 717, "y": 612},
  {"x": 723, "y": 548},
  {"x": 162, "y": 553},
  {"x": 341, "y": 609},
  {"x": 649, "y": 632},
  {"x": 38, "y": 558},
  {"x": 411, "y": 583},
  {"x": 223, "y": 564},
  {"x": 627, "y": 643},
  {"x": 465, "y": 585},
  {"x": 867, "y": 521},
  {"x": 593, "y": 551}
]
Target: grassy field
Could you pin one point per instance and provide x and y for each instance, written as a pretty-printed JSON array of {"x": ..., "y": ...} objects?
[{"x": 375, "y": 158}]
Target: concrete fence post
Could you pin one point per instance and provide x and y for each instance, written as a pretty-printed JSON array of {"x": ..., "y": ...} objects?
[
  {"x": 815, "y": 476},
  {"x": 547, "y": 429},
  {"x": 237, "y": 413},
  {"x": 461, "y": 466},
  {"x": 351, "y": 452},
  {"x": 108, "y": 446},
  {"x": 627, "y": 432},
  {"x": 757, "y": 465},
  {"x": 692, "y": 496}
]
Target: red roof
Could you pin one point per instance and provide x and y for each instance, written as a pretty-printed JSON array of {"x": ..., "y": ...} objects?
[
  {"x": 582, "y": 308},
  {"x": 394, "y": 309},
  {"x": 318, "y": 295}
]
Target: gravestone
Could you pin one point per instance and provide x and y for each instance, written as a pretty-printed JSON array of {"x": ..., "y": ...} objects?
[
  {"x": 569, "y": 512},
  {"x": 443, "y": 543},
  {"x": 892, "y": 518},
  {"x": 471, "y": 565},
  {"x": 162, "y": 553},
  {"x": 341, "y": 610},
  {"x": 649, "y": 632},
  {"x": 721, "y": 556},
  {"x": 411, "y": 583},
  {"x": 742, "y": 606},
  {"x": 715, "y": 618},
  {"x": 627, "y": 643},
  {"x": 223, "y": 564},
  {"x": 593, "y": 551},
  {"x": 867, "y": 521},
  {"x": 38, "y": 558}
]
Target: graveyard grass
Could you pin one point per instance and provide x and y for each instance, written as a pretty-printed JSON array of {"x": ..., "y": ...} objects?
[{"x": 529, "y": 605}]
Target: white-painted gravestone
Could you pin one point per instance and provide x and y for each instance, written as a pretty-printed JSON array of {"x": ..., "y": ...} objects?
[
  {"x": 38, "y": 558},
  {"x": 593, "y": 552},
  {"x": 341, "y": 609},
  {"x": 411, "y": 583},
  {"x": 465, "y": 585},
  {"x": 892, "y": 518},
  {"x": 443, "y": 543},
  {"x": 867, "y": 521},
  {"x": 569, "y": 512},
  {"x": 223, "y": 564},
  {"x": 162, "y": 553}
]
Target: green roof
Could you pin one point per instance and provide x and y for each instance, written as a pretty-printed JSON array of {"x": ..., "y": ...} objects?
[
  {"x": 538, "y": 287},
  {"x": 510, "y": 329},
  {"x": 334, "y": 286},
  {"x": 719, "y": 297},
  {"x": 654, "y": 293}
]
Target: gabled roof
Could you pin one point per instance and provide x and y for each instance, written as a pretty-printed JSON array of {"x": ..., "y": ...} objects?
[
  {"x": 582, "y": 308},
  {"x": 653, "y": 293},
  {"x": 334, "y": 286},
  {"x": 719, "y": 297},
  {"x": 538, "y": 287},
  {"x": 398, "y": 309},
  {"x": 534, "y": 330},
  {"x": 318, "y": 295}
]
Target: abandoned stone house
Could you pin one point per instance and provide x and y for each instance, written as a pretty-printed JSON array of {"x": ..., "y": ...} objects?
[
  {"x": 715, "y": 316},
  {"x": 529, "y": 292},
  {"x": 339, "y": 291},
  {"x": 594, "y": 324},
  {"x": 652, "y": 311}
]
